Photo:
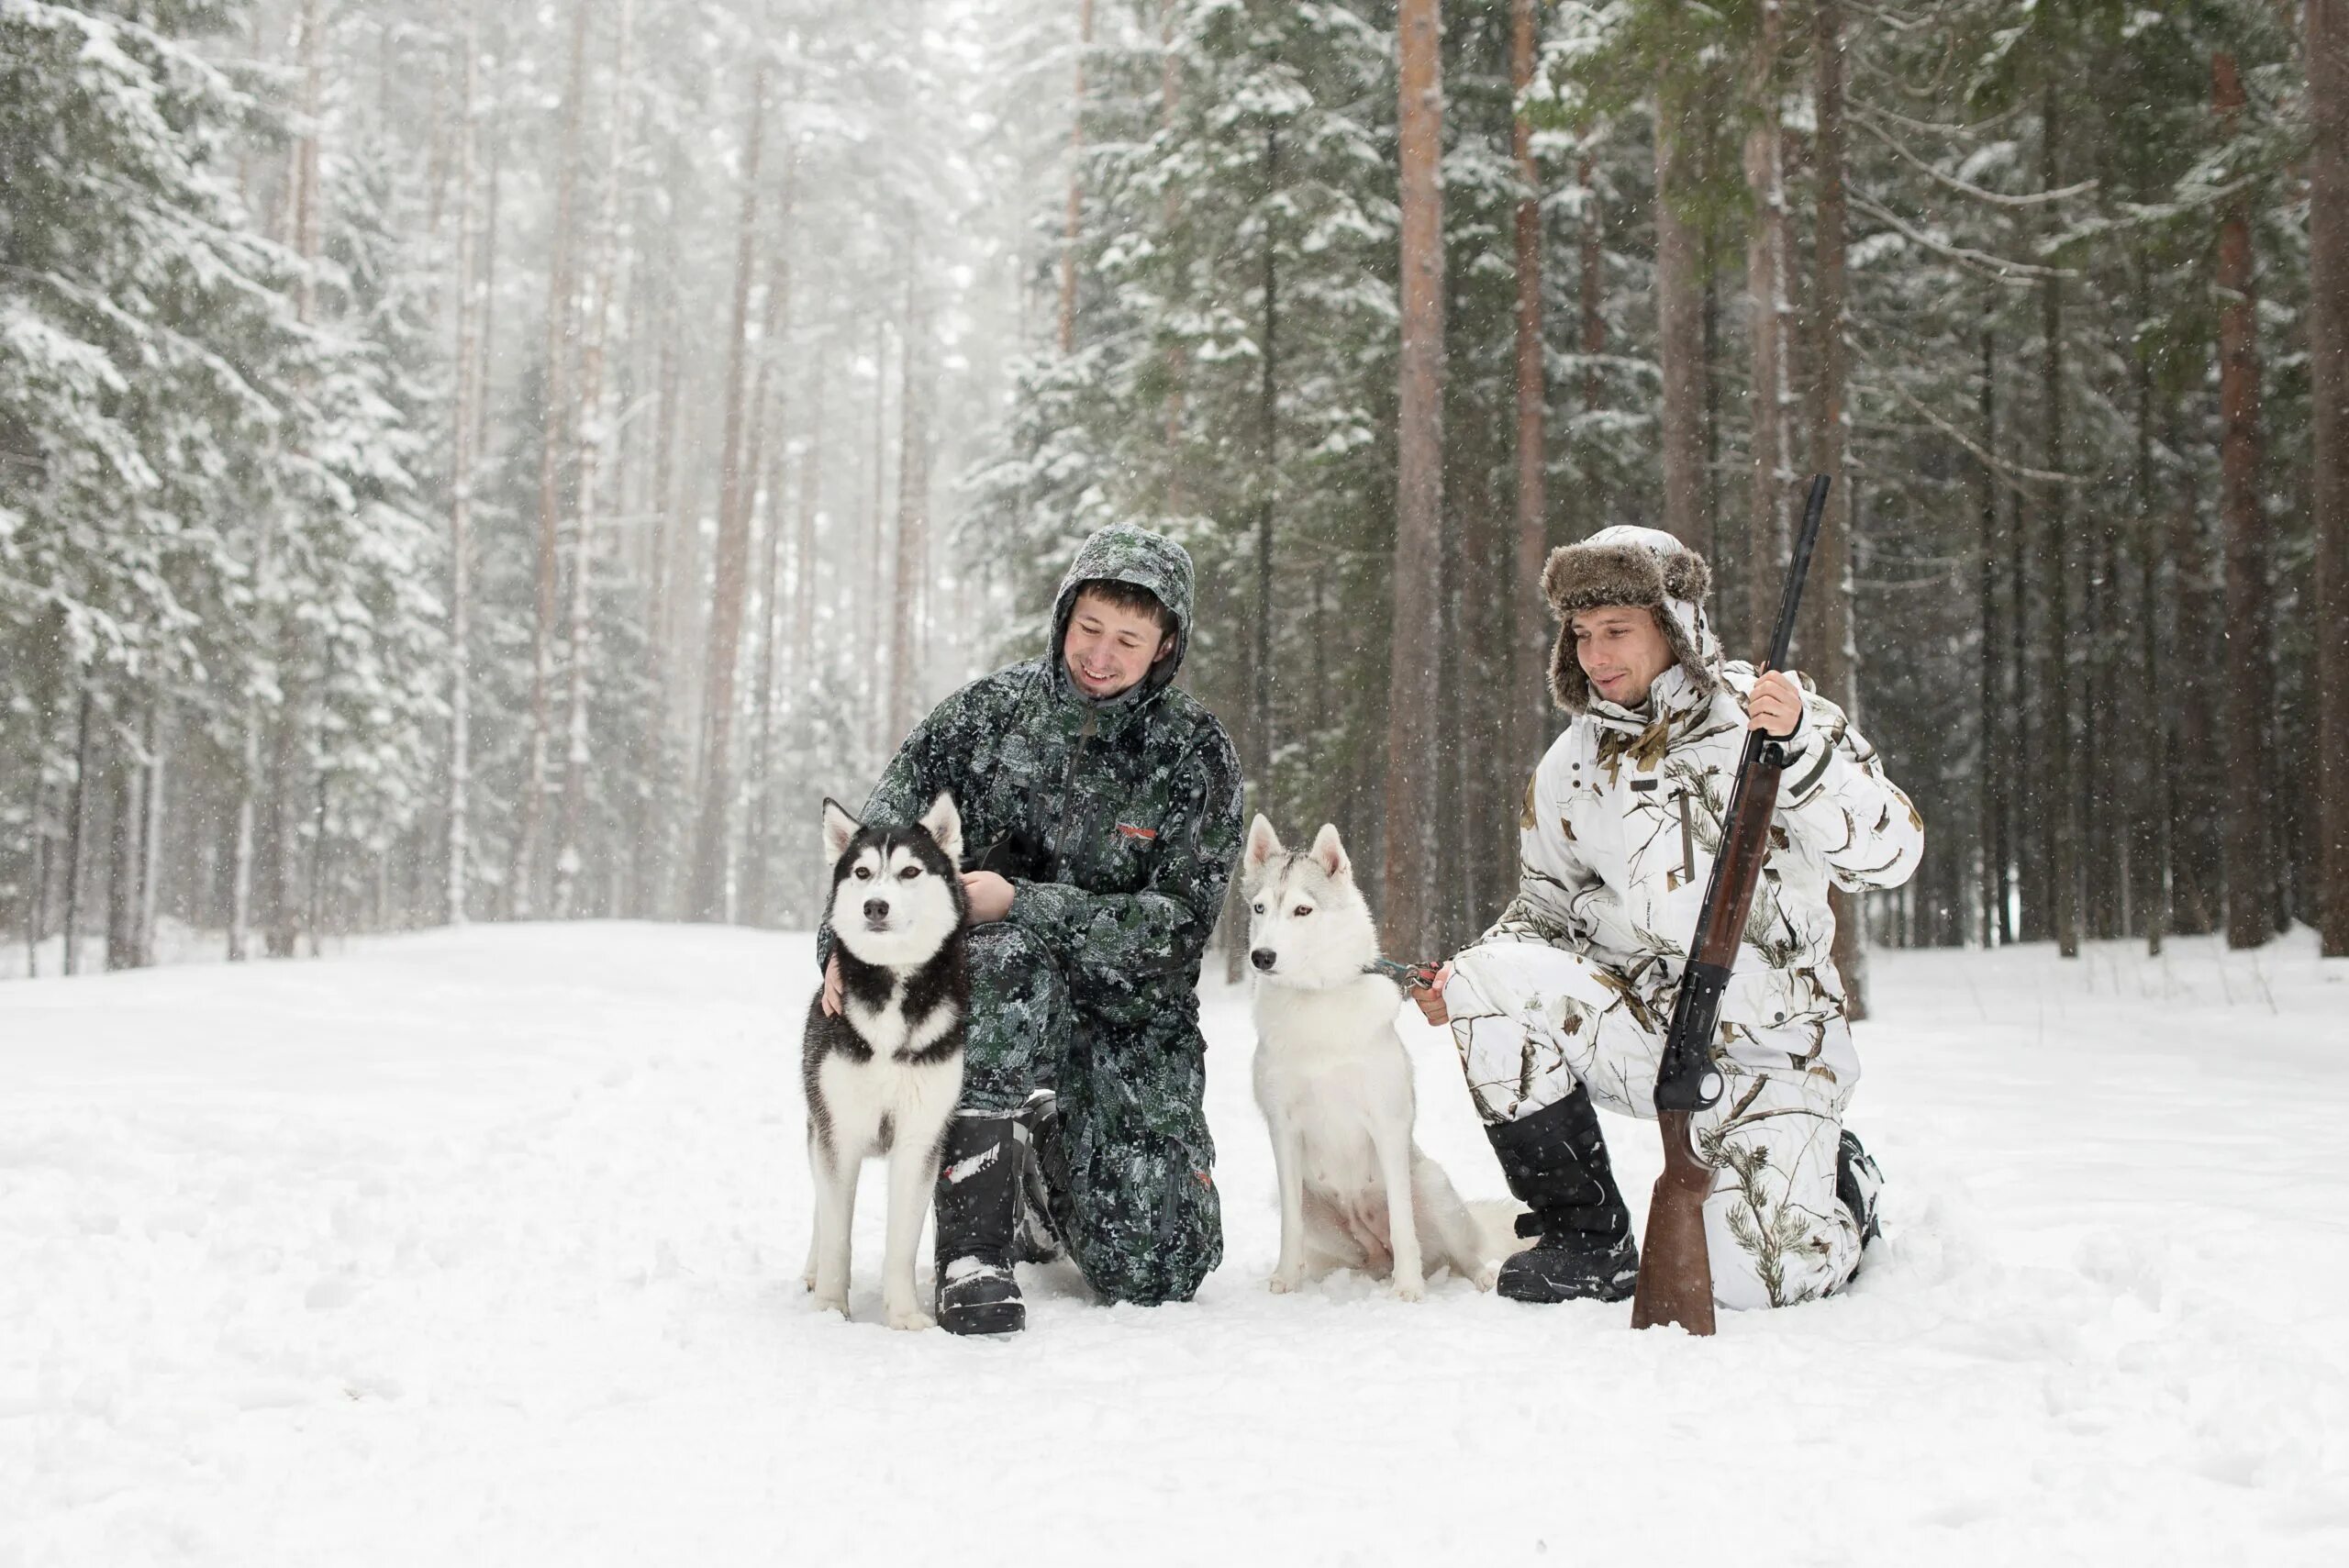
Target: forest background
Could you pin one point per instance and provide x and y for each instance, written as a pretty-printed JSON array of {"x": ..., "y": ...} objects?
[{"x": 468, "y": 459}]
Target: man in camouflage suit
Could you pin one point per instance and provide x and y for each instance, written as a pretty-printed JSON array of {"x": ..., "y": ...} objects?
[{"x": 1102, "y": 806}]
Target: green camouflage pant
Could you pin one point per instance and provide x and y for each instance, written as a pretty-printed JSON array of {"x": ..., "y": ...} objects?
[{"x": 1127, "y": 1157}]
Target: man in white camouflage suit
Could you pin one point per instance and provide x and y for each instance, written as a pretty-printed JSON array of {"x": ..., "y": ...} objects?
[{"x": 1566, "y": 998}]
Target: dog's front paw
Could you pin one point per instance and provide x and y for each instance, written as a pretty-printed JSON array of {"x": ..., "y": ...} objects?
[
  {"x": 1486, "y": 1274},
  {"x": 912, "y": 1318},
  {"x": 835, "y": 1302},
  {"x": 1285, "y": 1281},
  {"x": 1409, "y": 1289}
]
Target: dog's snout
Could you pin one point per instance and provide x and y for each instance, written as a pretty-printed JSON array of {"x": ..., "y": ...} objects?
[
  {"x": 1263, "y": 959},
  {"x": 876, "y": 910}
]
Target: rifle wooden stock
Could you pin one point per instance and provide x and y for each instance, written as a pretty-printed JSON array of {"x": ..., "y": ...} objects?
[{"x": 1675, "y": 1265}]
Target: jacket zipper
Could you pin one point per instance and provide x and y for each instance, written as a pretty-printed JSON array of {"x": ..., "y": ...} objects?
[
  {"x": 1687, "y": 842},
  {"x": 1068, "y": 792}
]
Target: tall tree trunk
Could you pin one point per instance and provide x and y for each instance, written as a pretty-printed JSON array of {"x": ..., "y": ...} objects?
[
  {"x": 2251, "y": 908},
  {"x": 1679, "y": 321},
  {"x": 2328, "y": 66},
  {"x": 152, "y": 834},
  {"x": 1830, "y": 651},
  {"x": 1074, "y": 228},
  {"x": 913, "y": 501},
  {"x": 811, "y": 491},
  {"x": 2160, "y": 700},
  {"x": 652, "y": 836},
  {"x": 1765, "y": 276},
  {"x": 2197, "y": 820},
  {"x": 592, "y": 438},
  {"x": 1995, "y": 928},
  {"x": 522, "y": 876},
  {"x": 1178, "y": 358},
  {"x": 1530, "y": 644},
  {"x": 1412, "y": 685},
  {"x": 2059, "y": 801},
  {"x": 708, "y": 901},
  {"x": 469, "y": 372},
  {"x": 123, "y": 860},
  {"x": 78, "y": 814},
  {"x": 771, "y": 394},
  {"x": 1260, "y": 645}
]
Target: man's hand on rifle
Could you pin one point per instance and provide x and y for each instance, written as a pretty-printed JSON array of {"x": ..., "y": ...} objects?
[
  {"x": 1776, "y": 706},
  {"x": 1430, "y": 997}
]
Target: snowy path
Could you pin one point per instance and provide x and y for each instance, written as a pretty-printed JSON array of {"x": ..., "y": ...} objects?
[{"x": 482, "y": 1247}]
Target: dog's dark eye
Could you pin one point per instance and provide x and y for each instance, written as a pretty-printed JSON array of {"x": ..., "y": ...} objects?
[
  {"x": 864, "y": 873},
  {"x": 1302, "y": 909},
  {"x": 910, "y": 874},
  {"x": 1259, "y": 909}
]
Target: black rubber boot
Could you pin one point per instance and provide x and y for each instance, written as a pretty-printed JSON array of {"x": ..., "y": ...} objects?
[
  {"x": 1857, "y": 1182},
  {"x": 1556, "y": 1162},
  {"x": 1038, "y": 1238},
  {"x": 979, "y": 1183}
]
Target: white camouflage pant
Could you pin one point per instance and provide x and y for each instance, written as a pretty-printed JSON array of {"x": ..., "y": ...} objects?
[{"x": 1533, "y": 1022}]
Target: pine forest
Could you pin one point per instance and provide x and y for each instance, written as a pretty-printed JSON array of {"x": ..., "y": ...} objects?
[{"x": 466, "y": 459}]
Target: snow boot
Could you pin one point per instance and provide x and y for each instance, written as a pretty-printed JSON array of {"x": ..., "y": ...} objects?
[
  {"x": 979, "y": 1181},
  {"x": 1038, "y": 1241},
  {"x": 1857, "y": 1182},
  {"x": 1556, "y": 1162}
]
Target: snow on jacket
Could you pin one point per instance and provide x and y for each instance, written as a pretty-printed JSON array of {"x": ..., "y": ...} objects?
[{"x": 1623, "y": 817}]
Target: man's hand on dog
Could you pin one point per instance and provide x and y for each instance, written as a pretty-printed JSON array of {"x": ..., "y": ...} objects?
[
  {"x": 990, "y": 896},
  {"x": 1430, "y": 997}
]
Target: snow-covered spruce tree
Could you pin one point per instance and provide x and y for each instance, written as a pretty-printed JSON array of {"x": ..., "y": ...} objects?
[{"x": 172, "y": 424}]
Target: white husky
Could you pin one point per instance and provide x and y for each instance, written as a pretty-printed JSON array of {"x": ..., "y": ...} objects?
[{"x": 1334, "y": 1080}]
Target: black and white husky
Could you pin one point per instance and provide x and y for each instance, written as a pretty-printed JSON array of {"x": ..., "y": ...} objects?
[
  {"x": 884, "y": 1076},
  {"x": 1334, "y": 1081}
]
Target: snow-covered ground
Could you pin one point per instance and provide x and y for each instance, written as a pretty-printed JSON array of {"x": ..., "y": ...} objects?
[{"x": 482, "y": 1246}]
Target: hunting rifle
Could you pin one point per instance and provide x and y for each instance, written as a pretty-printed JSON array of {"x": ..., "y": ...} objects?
[{"x": 1675, "y": 1269}]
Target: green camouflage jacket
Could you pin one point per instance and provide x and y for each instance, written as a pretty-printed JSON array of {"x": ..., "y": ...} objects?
[{"x": 1127, "y": 810}]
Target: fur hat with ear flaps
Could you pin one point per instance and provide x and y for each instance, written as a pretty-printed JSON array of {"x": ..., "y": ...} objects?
[{"x": 1647, "y": 568}]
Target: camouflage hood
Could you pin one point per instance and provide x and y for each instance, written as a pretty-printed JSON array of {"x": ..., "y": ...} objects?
[{"x": 1124, "y": 554}]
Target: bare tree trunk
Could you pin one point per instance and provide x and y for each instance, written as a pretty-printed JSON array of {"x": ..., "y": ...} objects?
[
  {"x": 123, "y": 860},
  {"x": 2251, "y": 910},
  {"x": 1178, "y": 360},
  {"x": 653, "y": 831},
  {"x": 1260, "y": 642},
  {"x": 1073, "y": 228},
  {"x": 2060, "y": 800},
  {"x": 1528, "y": 680},
  {"x": 802, "y": 582},
  {"x": 1679, "y": 325},
  {"x": 1412, "y": 688},
  {"x": 1830, "y": 647},
  {"x": 2328, "y": 68},
  {"x": 592, "y": 436},
  {"x": 469, "y": 372},
  {"x": 78, "y": 814},
  {"x": 1995, "y": 929},
  {"x": 708, "y": 901},
  {"x": 1765, "y": 263},
  {"x": 757, "y": 847},
  {"x": 913, "y": 504},
  {"x": 522, "y": 876},
  {"x": 152, "y": 836},
  {"x": 2160, "y": 700}
]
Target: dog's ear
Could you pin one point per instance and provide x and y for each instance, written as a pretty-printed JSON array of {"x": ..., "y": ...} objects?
[
  {"x": 945, "y": 824},
  {"x": 1330, "y": 852},
  {"x": 1262, "y": 844},
  {"x": 838, "y": 828}
]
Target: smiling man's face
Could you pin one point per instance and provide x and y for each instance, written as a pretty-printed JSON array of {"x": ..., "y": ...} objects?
[
  {"x": 1109, "y": 648},
  {"x": 1622, "y": 650}
]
